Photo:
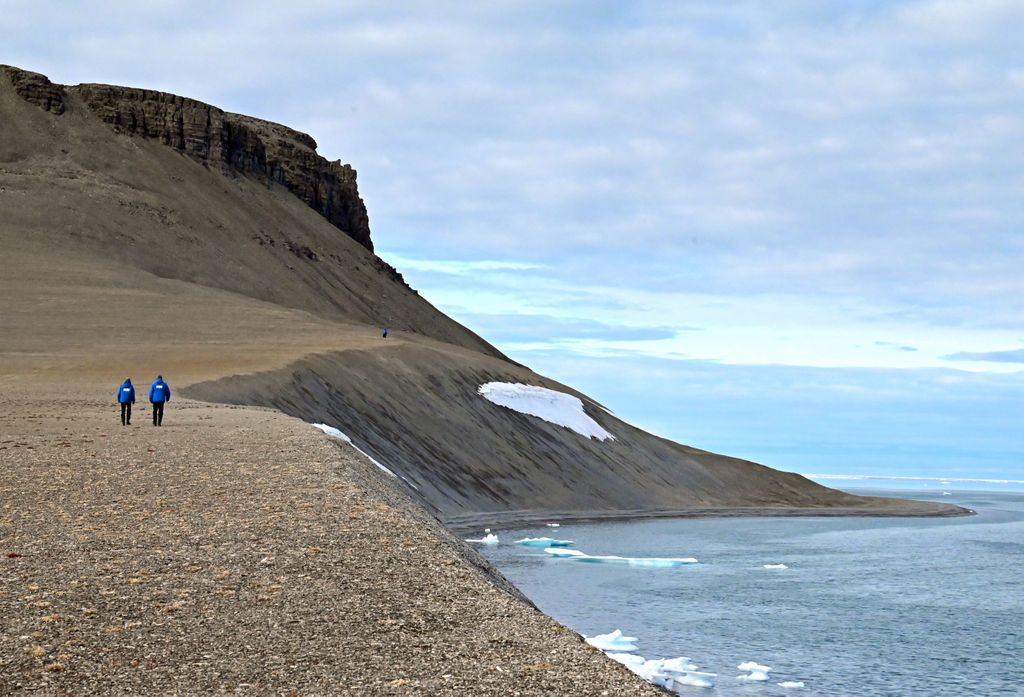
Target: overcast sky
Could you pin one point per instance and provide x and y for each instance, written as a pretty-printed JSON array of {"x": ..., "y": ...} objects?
[{"x": 789, "y": 231}]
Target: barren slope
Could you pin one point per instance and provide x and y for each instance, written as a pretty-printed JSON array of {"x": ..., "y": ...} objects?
[{"x": 127, "y": 247}]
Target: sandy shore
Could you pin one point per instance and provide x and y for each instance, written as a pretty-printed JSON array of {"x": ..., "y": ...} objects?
[{"x": 239, "y": 550}]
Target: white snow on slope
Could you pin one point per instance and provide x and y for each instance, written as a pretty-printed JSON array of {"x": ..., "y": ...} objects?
[
  {"x": 554, "y": 407},
  {"x": 338, "y": 435}
]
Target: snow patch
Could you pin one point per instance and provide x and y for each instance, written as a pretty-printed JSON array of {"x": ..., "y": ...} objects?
[
  {"x": 488, "y": 539},
  {"x": 554, "y": 407},
  {"x": 544, "y": 542},
  {"x": 338, "y": 435}
]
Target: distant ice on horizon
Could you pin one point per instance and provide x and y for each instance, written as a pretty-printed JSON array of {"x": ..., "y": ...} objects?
[{"x": 554, "y": 407}]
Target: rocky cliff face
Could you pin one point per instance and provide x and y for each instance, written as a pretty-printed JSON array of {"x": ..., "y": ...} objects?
[{"x": 234, "y": 142}]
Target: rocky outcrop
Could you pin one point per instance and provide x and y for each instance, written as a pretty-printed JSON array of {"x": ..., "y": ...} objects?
[
  {"x": 234, "y": 142},
  {"x": 36, "y": 88}
]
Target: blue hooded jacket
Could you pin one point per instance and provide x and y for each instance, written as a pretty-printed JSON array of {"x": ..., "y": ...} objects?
[
  {"x": 126, "y": 393},
  {"x": 159, "y": 392}
]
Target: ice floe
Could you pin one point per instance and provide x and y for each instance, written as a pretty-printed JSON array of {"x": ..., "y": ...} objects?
[
  {"x": 669, "y": 673},
  {"x": 553, "y": 525},
  {"x": 544, "y": 542},
  {"x": 755, "y": 672},
  {"x": 791, "y": 684},
  {"x": 775, "y": 566},
  {"x": 653, "y": 562},
  {"x": 488, "y": 539},
  {"x": 613, "y": 641},
  {"x": 554, "y": 407}
]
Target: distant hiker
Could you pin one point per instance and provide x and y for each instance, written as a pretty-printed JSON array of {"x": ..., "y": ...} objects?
[
  {"x": 385, "y": 334},
  {"x": 126, "y": 398},
  {"x": 159, "y": 393}
]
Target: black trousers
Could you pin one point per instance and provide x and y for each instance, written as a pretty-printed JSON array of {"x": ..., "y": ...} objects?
[
  {"x": 158, "y": 413},
  {"x": 126, "y": 413}
]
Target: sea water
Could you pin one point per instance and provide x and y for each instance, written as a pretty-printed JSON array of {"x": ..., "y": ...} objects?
[{"x": 866, "y": 606}]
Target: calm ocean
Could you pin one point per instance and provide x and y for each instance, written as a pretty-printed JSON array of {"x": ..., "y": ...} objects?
[{"x": 867, "y": 606}]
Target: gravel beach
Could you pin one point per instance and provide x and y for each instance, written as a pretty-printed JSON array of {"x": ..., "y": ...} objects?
[{"x": 239, "y": 550}]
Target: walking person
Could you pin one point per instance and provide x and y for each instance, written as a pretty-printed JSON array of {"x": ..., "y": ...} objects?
[
  {"x": 384, "y": 334},
  {"x": 126, "y": 398},
  {"x": 159, "y": 394}
]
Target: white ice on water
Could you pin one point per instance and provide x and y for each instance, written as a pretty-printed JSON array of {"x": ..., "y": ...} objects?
[
  {"x": 791, "y": 684},
  {"x": 755, "y": 672},
  {"x": 335, "y": 433},
  {"x": 653, "y": 562},
  {"x": 488, "y": 539},
  {"x": 775, "y": 566},
  {"x": 554, "y": 407},
  {"x": 669, "y": 673},
  {"x": 553, "y": 525},
  {"x": 613, "y": 641},
  {"x": 544, "y": 542}
]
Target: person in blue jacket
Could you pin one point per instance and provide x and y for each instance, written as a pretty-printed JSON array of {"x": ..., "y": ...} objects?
[
  {"x": 159, "y": 394},
  {"x": 126, "y": 398}
]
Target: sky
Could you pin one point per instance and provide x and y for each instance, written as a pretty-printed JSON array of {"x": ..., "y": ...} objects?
[{"x": 787, "y": 231}]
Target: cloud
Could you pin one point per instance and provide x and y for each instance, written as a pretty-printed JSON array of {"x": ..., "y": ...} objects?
[{"x": 1011, "y": 356}]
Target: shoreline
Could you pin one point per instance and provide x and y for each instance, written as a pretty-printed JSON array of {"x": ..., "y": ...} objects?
[{"x": 517, "y": 520}]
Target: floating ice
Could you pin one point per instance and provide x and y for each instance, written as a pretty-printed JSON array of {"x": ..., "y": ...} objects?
[
  {"x": 553, "y": 525},
  {"x": 613, "y": 641},
  {"x": 488, "y": 539},
  {"x": 946, "y": 493},
  {"x": 335, "y": 433},
  {"x": 665, "y": 672},
  {"x": 790, "y": 684},
  {"x": 554, "y": 407},
  {"x": 544, "y": 542},
  {"x": 775, "y": 566},
  {"x": 562, "y": 552},
  {"x": 756, "y": 672},
  {"x": 654, "y": 562}
]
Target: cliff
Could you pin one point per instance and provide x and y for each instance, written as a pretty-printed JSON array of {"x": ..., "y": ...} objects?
[{"x": 218, "y": 138}]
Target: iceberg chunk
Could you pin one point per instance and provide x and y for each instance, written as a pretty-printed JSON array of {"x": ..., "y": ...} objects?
[
  {"x": 544, "y": 542},
  {"x": 756, "y": 672},
  {"x": 563, "y": 553},
  {"x": 655, "y": 562},
  {"x": 554, "y": 407},
  {"x": 791, "y": 684},
  {"x": 668, "y": 673},
  {"x": 488, "y": 539},
  {"x": 775, "y": 566},
  {"x": 694, "y": 679},
  {"x": 553, "y": 525},
  {"x": 613, "y": 641}
]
